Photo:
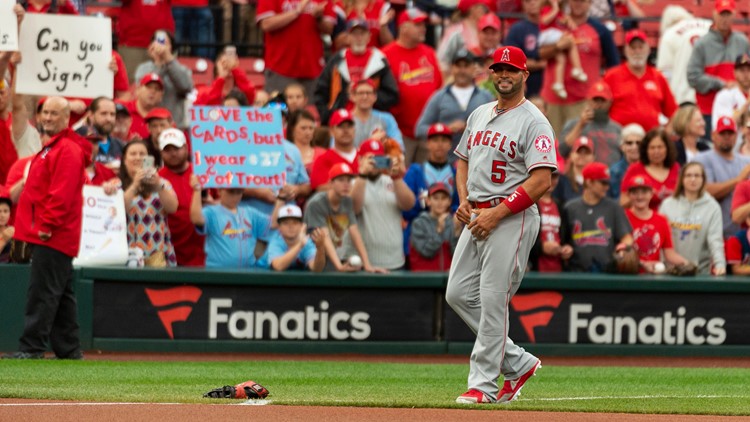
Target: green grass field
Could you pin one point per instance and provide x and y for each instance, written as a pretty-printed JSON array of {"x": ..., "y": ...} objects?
[{"x": 720, "y": 391}]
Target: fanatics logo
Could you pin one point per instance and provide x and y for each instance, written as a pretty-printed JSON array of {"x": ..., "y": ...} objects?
[
  {"x": 543, "y": 144},
  {"x": 164, "y": 299},
  {"x": 532, "y": 308}
]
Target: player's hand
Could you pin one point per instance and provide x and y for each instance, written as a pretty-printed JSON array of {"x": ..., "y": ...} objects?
[
  {"x": 484, "y": 223},
  {"x": 463, "y": 213}
]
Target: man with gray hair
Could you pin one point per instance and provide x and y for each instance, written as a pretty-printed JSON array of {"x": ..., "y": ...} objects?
[
  {"x": 631, "y": 137},
  {"x": 49, "y": 217}
]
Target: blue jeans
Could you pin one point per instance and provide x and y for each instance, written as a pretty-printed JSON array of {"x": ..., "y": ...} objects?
[{"x": 195, "y": 25}]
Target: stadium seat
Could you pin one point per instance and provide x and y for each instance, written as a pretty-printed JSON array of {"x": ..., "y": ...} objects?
[
  {"x": 254, "y": 71},
  {"x": 201, "y": 76}
]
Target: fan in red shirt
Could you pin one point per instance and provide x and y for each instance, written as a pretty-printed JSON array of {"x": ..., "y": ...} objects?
[
  {"x": 377, "y": 13},
  {"x": 658, "y": 165},
  {"x": 343, "y": 150},
  {"x": 640, "y": 93},
  {"x": 651, "y": 232},
  {"x": 137, "y": 22},
  {"x": 417, "y": 72},
  {"x": 148, "y": 96},
  {"x": 294, "y": 48},
  {"x": 188, "y": 244},
  {"x": 229, "y": 75}
]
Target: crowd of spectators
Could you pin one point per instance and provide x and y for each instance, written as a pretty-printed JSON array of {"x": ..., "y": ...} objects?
[{"x": 656, "y": 157}]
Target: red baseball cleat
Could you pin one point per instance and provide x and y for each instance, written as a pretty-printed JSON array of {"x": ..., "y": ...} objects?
[
  {"x": 473, "y": 397},
  {"x": 512, "y": 388}
]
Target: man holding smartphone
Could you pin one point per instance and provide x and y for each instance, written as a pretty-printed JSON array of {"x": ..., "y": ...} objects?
[{"x": 380, "y": 195}]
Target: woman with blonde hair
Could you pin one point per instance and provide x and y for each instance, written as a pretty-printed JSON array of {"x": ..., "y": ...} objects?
[
  {"x": 689, "y": 125},
  {"x": 695, "y": 219}
]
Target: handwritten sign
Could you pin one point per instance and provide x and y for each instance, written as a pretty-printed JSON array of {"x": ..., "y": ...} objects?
[
  {"x": 104, "y": 238},
  {"x": 65, "y": 55},
  {"x": 238, "y": 147},
  {"x": 8, "y": 26}
]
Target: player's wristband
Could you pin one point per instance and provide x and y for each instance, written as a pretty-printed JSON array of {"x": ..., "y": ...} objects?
[{"x": 518, "y": 201}]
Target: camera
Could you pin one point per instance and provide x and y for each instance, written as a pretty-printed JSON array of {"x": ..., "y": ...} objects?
[{"x": 382, "y": 162}]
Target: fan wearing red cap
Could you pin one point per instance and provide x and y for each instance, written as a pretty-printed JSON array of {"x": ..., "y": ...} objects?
[
  {"x": 640, "y": 93},
  {"x": 416, "y": 69},
  {"x": 434, "y": 235},
  {"x": 595, "y": 226},
  {"x": 380, "y": 196},
  {"x": 553, "y": 25},
  {"x": 506, "y": 157},
  {"x": 651, "y": 232},
  {"x": 148, "y": 96},
  {"x": 343, "y": 150},
  {"x": 710, "y": 67}
]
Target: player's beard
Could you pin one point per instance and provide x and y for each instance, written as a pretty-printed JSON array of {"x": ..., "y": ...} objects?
[{"x": 515, "y": 88}]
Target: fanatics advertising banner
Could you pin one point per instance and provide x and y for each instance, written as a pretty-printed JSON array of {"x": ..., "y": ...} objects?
[
  {"x": 238, "y": 147},
  {"x": 66, "y": 56},
  {"x": 157, "y": 311},
  {"x": 620, "y": 318}
]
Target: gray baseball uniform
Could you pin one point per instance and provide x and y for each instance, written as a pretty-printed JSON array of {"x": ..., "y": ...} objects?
[{"x": 501, "y": 150}]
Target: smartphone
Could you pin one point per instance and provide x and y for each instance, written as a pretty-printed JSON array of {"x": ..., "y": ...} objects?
[
  {"x": 382, "y": 162},
  {"x": 311, "y": 229},
  {"x": 148, "y": 162},
  {"x": 230, "y": 50},
  {"x": 161, "y": 37}
]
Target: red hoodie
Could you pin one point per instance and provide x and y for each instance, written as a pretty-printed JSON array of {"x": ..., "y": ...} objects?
[{"x": 52, "y": 199}]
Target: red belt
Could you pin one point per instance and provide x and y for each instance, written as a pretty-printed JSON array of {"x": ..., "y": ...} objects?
[{"x": 487, "y": 204}]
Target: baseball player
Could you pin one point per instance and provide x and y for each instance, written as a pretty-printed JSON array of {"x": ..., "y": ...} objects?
[{"x": 507, "y": 156}]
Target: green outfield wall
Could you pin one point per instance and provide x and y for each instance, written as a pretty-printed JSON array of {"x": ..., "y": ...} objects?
[{"x": 241, "y": 311}]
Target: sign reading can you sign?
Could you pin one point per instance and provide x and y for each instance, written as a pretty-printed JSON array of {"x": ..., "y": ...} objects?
[
  {"x": 65, "y": 56},
  {"x": 8, "y": 26}
]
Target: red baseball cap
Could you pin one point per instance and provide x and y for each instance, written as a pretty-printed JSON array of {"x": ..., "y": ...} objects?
[
  {"x": 725, "y": 6},
  {"x": 151, "y": 77},
  {"x": 596, "y": 171},
  {"x": 599, "y": 90},
  {"x": 439, "y": 187},
  {"x": 411, "y": 14},
  {"x": 490, "y": 20},
  {"x": 726, "y": 123},
  {"x": 340, "y": 116},
  {"x": 635, "y": 34},
  {"x": 509, "y": 55},
  {"x": 340, "y": 169},
  {"x": 158, "y": 113},
  {"x": 583, "y": 142},
  {"x": 439, "y": 129},
  {"x": 371, "y": 146},
  {"x": 637, "y": 181}
]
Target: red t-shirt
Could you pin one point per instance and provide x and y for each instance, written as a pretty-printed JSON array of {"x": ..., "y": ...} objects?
[
  {"x": 734, "y": 253},
  {"x": 67, "y": 8},
  {"x": 650, "y": 236},
  {"x": 372, "y": 14},
  {"x": 323, "y": 164},
  {"x": 296, "y": 50},
  {"x": 8, "y": 154},
  {"x": 590, "y": 50},
  {"x": 139, "y": 19},
  {"x": 639, "y": 99},
  {"x": 661, "y": 189},
  {"x": 188, "y": 244},
  {"x": 121, "y": 77},
  {"x": 741, "y": 196},
  {"x": 550, "y": 232},
  {"x": 356, "y": 63},
  {"x": 418, "y": 74},
  {"x": 138, "y": 127}
]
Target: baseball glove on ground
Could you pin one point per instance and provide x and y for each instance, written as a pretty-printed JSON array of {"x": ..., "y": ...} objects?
[
  {"x": 627, "y": 261},
  {"x": 246, "y": 390},
  {"x": 683, "y": 270}
]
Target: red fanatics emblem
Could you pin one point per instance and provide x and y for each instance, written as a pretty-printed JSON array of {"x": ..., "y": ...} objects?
[{"x": 543, "y": 144}]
